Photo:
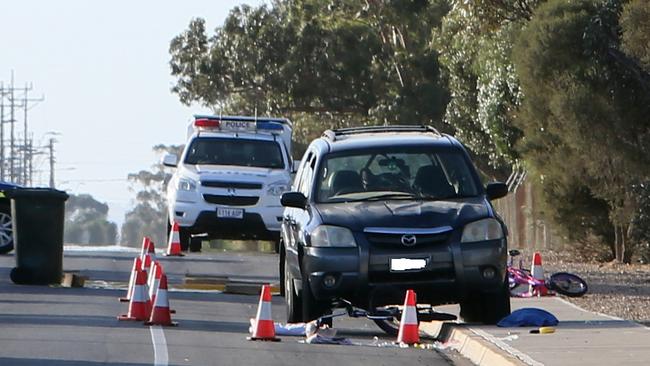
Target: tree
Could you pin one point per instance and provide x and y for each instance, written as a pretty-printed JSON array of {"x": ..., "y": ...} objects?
[
  {"x": 149, "y": 216},
  {"x": 583, "y": 114},
  {"x": 86, "y": 221},
  {"x": 320, "y": 63}
]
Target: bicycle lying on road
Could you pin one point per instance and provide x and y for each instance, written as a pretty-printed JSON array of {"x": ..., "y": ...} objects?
[{"x": 563, "y": 283}]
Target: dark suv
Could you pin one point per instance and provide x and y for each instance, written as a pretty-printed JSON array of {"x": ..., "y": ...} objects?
[{"x": 375, "y": 211}]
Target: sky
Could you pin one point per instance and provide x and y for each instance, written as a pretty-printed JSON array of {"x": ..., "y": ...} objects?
[{"x": 103, "y": 69}]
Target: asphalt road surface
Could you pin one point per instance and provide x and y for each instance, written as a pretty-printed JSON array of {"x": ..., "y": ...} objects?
[{"x": 55, "y": 326}]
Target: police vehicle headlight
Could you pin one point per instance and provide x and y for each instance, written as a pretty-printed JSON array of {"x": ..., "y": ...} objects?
[
  {"x": 277, "y": 188},
  {"x": 486, "y": 229},
  {"x": 332, "y": 236},
  {"x": 185, "y": 184}
]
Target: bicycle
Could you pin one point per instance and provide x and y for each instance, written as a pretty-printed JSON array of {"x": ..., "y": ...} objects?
[{"x": 563, "y": 283}]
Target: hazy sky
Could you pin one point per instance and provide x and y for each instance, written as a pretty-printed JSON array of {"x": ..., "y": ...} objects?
[{"x": 103, "y": 69}]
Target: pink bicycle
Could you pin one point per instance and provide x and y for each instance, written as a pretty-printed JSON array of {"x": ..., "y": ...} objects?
[{"x": 563, "y": 283}]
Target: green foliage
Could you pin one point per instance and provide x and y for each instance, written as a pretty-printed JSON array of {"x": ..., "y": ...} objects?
[
  {"x": 475, "y": 42},
  {"x": 321, "y": 63},
  {"x": 583, "y": 116},
  {"x": 635, "y": 24},
  {"x": 86, "y": 222},
  {"x": 149, "y": 216}
]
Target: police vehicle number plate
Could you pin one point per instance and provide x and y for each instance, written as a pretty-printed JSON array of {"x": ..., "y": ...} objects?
[
  {"x": 230, "y": 213},
  {"x": 407, "y": 264},
  {"x": 238, "y": 125}
]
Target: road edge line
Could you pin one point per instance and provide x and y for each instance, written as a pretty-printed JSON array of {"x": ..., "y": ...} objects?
[{"x": 160, "y": 354}]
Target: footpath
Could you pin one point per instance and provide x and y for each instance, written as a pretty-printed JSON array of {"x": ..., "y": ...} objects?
[{"x": 581, "y": 338}]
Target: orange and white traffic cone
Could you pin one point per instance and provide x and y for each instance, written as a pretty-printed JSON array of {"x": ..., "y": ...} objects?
[
  {"x": 161, "y": 315},
  {"x": 537, "y": 272},
  {"x": 151, "y": 249},
  {"x": 155, "y": 273},
  {"x": 146, "y": 265},
  {"x": 139, "y": 307},
  {"x": 174, "y": 246},
  {"x": 263, "y": 328},
  {"x": 145, "y": 246},
  {"x": 409, "y": 332},
  {"x": 137, "y": 264}
]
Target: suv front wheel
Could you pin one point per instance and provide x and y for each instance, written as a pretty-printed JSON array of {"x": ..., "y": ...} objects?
[
  {"x": 312, "y": 309},
  {"x": 487, "y": 308},
  {"x": 293, "y": 301}
]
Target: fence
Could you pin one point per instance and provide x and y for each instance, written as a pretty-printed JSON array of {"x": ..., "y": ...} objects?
[{"x": 527, "y": 230}]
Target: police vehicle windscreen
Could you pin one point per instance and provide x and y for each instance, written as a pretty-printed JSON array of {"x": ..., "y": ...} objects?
[
  {"x": 236, "y": 152},
  {"x": 416, "y": 173}
]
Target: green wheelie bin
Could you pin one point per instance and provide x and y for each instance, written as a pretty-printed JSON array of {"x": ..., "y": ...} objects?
[{"x": 38, "y": 215}]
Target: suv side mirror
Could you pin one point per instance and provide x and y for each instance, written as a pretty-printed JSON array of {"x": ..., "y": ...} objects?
[
  {"x": 293, "y": 199},
  {"x": 296, "y": 165},
  {"x": 496, "y": 190},
  {"x": 170, "y": 160}
]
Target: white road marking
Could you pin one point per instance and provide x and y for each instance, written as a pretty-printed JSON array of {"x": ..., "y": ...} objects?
[{"x": 160, "y": 355}]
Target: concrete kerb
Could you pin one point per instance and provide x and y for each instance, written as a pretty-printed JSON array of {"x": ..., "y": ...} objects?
[{"x": 475, "y": 345}]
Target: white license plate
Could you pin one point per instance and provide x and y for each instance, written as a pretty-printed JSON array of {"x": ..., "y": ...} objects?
[
  {"x": 230, "y": 213},
  {"x": 407, "y": 264}
]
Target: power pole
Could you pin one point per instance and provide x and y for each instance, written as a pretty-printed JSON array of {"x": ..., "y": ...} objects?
[
  {"x": 2, "y": 131},
  {"x": 51, "y": 163},
  {"x": 19, "y": 152}
]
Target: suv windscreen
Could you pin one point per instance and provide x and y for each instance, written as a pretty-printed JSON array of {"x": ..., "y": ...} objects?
[
  {"x": 413, "y": 173},
  {"x": 238, "y": 152}
]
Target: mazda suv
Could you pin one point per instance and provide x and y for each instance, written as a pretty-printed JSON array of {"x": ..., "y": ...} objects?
[{"x": 375, "y": 211}]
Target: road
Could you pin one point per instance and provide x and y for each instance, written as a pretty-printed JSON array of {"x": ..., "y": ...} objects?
[{"x": 42, "y": 325}]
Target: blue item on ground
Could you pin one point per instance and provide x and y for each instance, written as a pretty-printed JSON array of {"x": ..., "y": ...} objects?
[{"x": 528, "y": 317}]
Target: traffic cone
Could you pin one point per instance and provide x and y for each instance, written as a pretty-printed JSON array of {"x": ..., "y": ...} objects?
[
  {"x": 139, "y": 307},
  {"x": 155, "y": 273},
  {"x": 263, "y": 328},
  {"x": 161, "y": 315},
  {"x": 137, "y": 264},
  {"x": 537, "y": 272},
  {"x": 145, "y": 246},
  {"x": 151, "y": 249},
  {"x": 146, "y": 264},
  {"x": 174, "y": 247},
  {"x": 409, "y": 332}
]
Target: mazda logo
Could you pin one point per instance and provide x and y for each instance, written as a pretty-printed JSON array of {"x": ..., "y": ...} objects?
[{"x": 409, "y": 240}]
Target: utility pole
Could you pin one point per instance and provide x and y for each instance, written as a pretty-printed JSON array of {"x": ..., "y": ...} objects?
[
  {"x": 51, "y": 163},
  {"x": 2, "y": 131},
  {"x": 12, "y": 151},
  {"x": 18, "y": 153}
]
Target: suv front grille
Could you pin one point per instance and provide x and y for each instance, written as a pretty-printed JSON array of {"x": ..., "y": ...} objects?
[
  {"x": 230, "y": 200},
  {"x": 395, "y": 240},
  {"x": 236, "y": 185}
]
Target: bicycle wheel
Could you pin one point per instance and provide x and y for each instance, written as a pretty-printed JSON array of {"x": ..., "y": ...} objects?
[{"x": 568, "y": 284}]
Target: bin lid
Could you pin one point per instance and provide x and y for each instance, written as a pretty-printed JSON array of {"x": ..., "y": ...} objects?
[{"x": 37, "y": 193}]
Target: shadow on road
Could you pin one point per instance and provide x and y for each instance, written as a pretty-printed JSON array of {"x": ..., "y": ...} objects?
[{"x": 35, "y": 361}]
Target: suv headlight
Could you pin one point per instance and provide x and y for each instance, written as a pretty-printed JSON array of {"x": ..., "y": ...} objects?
[
  {"x": 185, "y": 184},
  {"x": 277, "y": 188},
  {"x": 332, "y": 236},
  {"x": 486, "y": 229}
]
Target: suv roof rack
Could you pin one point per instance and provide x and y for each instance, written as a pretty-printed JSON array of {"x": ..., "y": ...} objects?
[{"x": 333, "y": 134}]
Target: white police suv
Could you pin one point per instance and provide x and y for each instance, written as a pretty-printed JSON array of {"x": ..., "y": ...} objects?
[{"x": 229, "y": 179}]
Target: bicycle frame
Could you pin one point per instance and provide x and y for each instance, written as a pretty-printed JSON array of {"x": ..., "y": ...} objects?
[{"x": 521, "y": 276}]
